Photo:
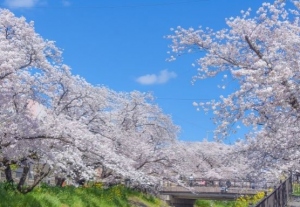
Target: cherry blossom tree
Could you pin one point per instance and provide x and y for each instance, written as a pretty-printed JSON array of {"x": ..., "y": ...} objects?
[
  {"x": 30, "y": 69},
  {"x": 260, "y": 52},
  {"x": 207, "y": 160},
  {"x": 150, "y": 129},
  {"x": 128, "y": 124},
  {"x": 66, "y": 126},
  {"x": 61, "y": 124},
  {"x": 135, "y": 129}
]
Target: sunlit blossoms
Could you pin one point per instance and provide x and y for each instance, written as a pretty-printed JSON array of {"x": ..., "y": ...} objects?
[
  {"x": 53, "y": 122},
  {"x": 61, "y": 124},
  {"x": 259, "y": 51}
]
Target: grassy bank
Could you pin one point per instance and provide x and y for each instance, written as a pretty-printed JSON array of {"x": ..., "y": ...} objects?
[
  {"x": 117, "y": 196},
  {"x": 243, "y": 201},
  {"x": 46, "y": 196},
  {"x": 211, "y": 203}
]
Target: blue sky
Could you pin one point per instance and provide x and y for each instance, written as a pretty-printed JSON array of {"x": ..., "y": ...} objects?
[{"x": 121, "y": 44}]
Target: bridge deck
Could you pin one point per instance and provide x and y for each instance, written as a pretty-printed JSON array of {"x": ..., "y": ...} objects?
[{"x": 215, "y": 193}]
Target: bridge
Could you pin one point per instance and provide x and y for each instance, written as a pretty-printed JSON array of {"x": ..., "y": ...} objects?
[{"x": 185, "y": 195}]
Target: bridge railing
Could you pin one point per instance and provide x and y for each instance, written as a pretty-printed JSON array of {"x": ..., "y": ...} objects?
[
  {"x": 280, "y": 196},
  {"x": 199, "y": 182}
]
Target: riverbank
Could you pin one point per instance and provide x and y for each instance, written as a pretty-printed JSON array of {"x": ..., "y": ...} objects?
[{"x": 70, "y": 196}]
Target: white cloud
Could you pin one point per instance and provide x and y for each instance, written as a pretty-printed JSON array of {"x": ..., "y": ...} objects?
[
  {"x": 163, "y": 77},
  {"x": 21, "y": 3}
]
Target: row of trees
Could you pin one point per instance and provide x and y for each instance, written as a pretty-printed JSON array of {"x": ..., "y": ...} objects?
[{"x": 60, "y": 123}]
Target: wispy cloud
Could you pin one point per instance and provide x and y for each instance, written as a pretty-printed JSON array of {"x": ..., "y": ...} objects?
[
  {"x": 66, "y": 3},
  {"x": 163, "y": 77},
  {"x": 20, "y": 3}
]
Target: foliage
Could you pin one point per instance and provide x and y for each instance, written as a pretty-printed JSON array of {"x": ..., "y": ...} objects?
[
  {"x": 243, "y": 201},
  {"x": 212, "y": 203},
  {"x": 296, "y": 189},
  {"x": 14, "y": 166},
  {"x": 97, "y": 185},
  {"x": 8, "y": 186},
  {"x": 80, "y": 197}
]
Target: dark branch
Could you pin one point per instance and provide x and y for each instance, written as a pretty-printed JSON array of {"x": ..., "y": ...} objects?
[{"x": 252, "y": 47}]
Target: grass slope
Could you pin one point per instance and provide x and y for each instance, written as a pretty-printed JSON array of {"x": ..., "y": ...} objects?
[{"x": 46, "y": 196}]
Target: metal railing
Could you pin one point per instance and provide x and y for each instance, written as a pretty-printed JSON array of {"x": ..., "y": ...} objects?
[
  {"x": 202, "y": 182},
  {"x": 279, "y": 197}
]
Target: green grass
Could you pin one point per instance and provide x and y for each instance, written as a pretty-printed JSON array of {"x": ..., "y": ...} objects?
[
  {"x": 211, "y": 203},
  {"x": 243, "y": 201},
  {"x": 296, "y": 189},
  {"x": 47, "y": 196}
]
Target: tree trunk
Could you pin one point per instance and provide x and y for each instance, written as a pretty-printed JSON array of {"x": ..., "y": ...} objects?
[
  {"x": 106, "y": 172},
  {"x": 23, "y": 178},
  {"x": 8, "y": 174},
  {"x": 36, "y": 182},
  {"x": 59, "y": 181}
]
